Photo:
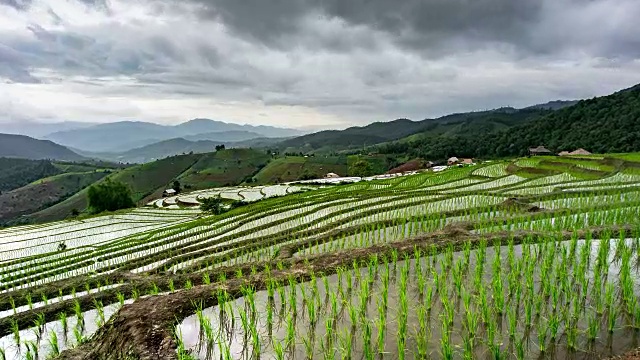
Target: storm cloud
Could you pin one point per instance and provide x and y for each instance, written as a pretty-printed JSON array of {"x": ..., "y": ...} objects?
[{"x": 307, "y": 63}]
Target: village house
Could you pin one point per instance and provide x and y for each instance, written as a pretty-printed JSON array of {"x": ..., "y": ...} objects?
[
  {"x": 467, "y": 161},
  {"x": 579, "y": 151},
  {"x": 169, "y": 192},
  {"x": 331, "y": 176},
  {"x": 539, "y": 150},
  {"x": 453, "y": 161}
]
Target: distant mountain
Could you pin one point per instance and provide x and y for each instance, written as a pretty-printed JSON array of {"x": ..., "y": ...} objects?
[
  {"x": 177, "y": 146},
  {"x": 224, "y": 136},
  {"x": 127, "y": 135},
  {"x": 39, "y": 130},
  {"x": 161, "y": 150},
  {"x": 20, "y": 146}
]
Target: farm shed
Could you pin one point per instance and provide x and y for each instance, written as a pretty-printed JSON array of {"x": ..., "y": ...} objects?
[
  {"x": 169, "y": 192},
  {"x": 580, "y": 151},
  {"x": 331, "y": 176},
  {"x": 539, "y": 150},
  {"x": 453, "y": 160}
]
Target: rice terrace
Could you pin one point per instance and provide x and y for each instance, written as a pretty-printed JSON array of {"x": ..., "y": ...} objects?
[{"x": 529, "y": 258}]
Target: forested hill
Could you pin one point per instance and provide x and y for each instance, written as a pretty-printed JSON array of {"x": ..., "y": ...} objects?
[
  {"x": 602, "y": 125},
  {"x": 20, "y": 146},
  {"x": 381, "y": 132}
]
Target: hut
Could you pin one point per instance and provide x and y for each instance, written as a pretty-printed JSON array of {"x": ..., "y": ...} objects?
[
  {"x": 580, "y": 151},
  {"x": 453, "y": 161},
  {"x": 539, "y": 150},
  {"x": 331, "y": 176},
  {"x": 169, "y": 192}
]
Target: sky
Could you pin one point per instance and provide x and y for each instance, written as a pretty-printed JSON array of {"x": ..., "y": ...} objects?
[{"x": 306, "y": 63}]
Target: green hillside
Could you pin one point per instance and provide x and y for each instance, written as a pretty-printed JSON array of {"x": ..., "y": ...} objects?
[
  {"x": 24, "y": 147},
  {"x": 226, "y": 167},
  {"x": 355, "y": 138},
  {"x": 15, "y": 173},
  {"x": 145, "y": 181},
  {"x": 291, "y": 168},
  {"x": 609, "y": 124},
  {"x": 44, "y": 193}
]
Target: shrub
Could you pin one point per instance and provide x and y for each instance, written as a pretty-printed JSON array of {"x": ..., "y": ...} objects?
[
  {"x": 212, "y": 205},
  {"x": 109, "y": 196}
]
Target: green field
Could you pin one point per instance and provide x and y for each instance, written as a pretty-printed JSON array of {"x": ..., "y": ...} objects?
[
  {"x": 224, "y": 168},
  {"x": 471, "y": 262},
  {"x": 291, "y": 168}
]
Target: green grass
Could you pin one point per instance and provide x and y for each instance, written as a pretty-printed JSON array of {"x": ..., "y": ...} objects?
[
  {"x": 635, "y": 157},
  {"x": 291, "y": 168},
  {"x": 223, "y": 168}
]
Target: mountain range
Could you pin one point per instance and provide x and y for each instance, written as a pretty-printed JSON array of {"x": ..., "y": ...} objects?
[
  {"x": 126, "y": 135},
  {"x": 140, "y": 142}
]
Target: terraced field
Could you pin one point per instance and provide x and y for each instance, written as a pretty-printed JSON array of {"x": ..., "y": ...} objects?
[{"x": 474, "y": 262}]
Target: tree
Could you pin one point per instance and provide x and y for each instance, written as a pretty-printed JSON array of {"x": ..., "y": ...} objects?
[
  {"x": 176, "y": 186},
  {"x": 220, "y": 147},
  {"x": 361, "y": 168},
  {"x": 212, "y": 205},
  {"x": 109, "y": 196}
]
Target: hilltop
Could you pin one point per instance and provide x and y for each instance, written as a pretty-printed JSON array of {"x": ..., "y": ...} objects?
[{"x": 20, "y": 146}]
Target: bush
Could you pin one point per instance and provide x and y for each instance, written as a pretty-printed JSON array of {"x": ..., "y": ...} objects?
[
  {"x": 109, "y": 196},
  {"x": 361, "y": 168},
  {"x": 212, "y": 205}
]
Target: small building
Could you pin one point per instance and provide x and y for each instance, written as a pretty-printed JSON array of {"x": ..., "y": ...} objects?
[
  {"x": 467, "y": 161},
  {"x": 331, "y": 176},
  {"x": 580, "y": 151},
  {"x": 539, "y": 150},
  {"x": 169, "y": 192},
  {"x": 453, "y": 160}
]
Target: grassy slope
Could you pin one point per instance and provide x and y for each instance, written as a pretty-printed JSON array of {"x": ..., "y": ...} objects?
[
  {"x": 227, "y": 167},
  {"x": 581, "y": 167},
  {"x": 144, "y": 181},
  {"x": 290, "y": 168},
  {"x": 44, "y": 192}
]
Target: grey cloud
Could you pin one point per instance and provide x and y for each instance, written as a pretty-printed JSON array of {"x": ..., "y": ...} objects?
[
  {"x": 360, "y": 59},
  {"x": 434, "y": 28}
]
